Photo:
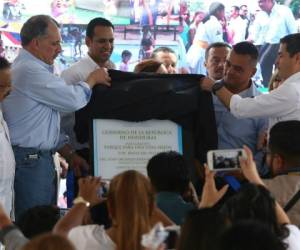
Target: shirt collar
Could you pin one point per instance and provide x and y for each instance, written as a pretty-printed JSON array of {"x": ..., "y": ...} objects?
[
  {"x": 27, "y": 55},
  {"x": 292, "y": 78},
  {"x": 91, "y": 61},
  {"x": 250, "y": 92},
  {"x": 213, "y": 18}
]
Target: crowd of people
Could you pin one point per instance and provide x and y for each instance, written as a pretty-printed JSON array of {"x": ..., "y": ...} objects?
[
  {"x": 264, "y": 28},
  {"x": 39, "y": 111}
]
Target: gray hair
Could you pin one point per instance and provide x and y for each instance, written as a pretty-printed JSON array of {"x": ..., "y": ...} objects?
[{"x": 35, "y": 26}]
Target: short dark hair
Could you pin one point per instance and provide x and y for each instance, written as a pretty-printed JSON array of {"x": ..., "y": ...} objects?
[
  {"x": 237, "y": 8},
  {"x": 98, "y": 21},
  {"x": 284, "y": 140},
  {"x": 246, "y": 48},
  {"x": 254, "y": 202},
  {"x": 36, "y": 26},
  {"x": 292, "y": 43},
  {"x": 215, "y": 7},
  {"x": 4, "y": 63},
  {"x": 215, "y": 45},
  {"x": 249, "y": 235},
  {"x": 38, "y": 220},
  {"x": 126, "y": 53},
  {"x": 243, "y": 5},
  {"x": 162, "y": 49},
  {"x": 168, "y": 171},
  {"x": 202, "y": 228}
]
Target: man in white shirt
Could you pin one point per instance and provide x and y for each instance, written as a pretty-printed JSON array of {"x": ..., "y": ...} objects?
[
  {"x": 272, "y": 23},
  {"x": 100, "y": 42},
  {"x": 7, "y": 159},
  {"x": 237, "y": 26},
  {"x": 281, "y": 104},
  {"x": 211, "y": 31}
]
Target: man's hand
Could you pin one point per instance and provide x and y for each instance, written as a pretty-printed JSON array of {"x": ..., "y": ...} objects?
[
  {"x": 210, "y": 194},
  {"x": 63, "y": 167},
  {"x": 88, "y": 189},
  {"x": 249, "y": 169},
  {"x": 206, "y": 83},
  {"x": 98, "y": 76},
  {"x": 78, "y": 164}
]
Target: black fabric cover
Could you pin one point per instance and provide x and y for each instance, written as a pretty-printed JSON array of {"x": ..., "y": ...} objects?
[{"x": 144, "y": 96}]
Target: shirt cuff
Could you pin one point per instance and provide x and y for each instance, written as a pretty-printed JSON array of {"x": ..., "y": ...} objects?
[{"x": 87, "y": 89}]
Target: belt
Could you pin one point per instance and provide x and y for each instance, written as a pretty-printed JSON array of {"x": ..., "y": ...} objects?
[{"x": 33, "y": 152}]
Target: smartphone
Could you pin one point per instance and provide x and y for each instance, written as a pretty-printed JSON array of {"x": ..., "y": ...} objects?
[
  {"x": 171, "y": 239},
  {"x": 224, "y": 160}
]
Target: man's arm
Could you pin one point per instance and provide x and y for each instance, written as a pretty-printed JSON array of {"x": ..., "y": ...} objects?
[
  {"x": 250, "y": 172},
  {"x": 88, "y": 191},
  {"x": 11, "y": 236},
  {"x": 273, "y": 104},
  {"x": 51, "y": 90}
]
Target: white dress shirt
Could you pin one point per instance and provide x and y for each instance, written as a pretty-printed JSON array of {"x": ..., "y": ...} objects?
[
  {"x": 7, "y": 168},
  {"x": 79, "y": 71},
  {"x": 238, "y": 26},
  {"x": 281, "y": 104},
  {"x": 210, "y": 32},
  {"x": 271, "y": 28}
]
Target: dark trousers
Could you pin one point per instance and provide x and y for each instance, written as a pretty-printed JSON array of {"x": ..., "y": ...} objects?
[{"x": 267, "y": 57}]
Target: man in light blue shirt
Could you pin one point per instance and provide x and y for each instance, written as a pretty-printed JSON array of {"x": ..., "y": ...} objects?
[
  {"x": 236, "y": 68},
  {"x": 273, "y": 22},
  {"x": 32, "y": 112}
]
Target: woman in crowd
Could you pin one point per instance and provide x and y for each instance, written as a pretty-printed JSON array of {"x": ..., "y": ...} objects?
[{"x": 130, "y": 204}]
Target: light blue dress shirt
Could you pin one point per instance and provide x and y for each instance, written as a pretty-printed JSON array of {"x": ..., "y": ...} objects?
[
  {"x": 32, "y": 109},
  {"x": 234, "y": 132}
]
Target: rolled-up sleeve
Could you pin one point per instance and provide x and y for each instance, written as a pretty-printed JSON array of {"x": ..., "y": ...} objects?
[{"x": 278, "y": 102}]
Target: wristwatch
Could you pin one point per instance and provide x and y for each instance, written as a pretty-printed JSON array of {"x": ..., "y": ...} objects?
[
  {"x": 218, "y": 85},
  {"x": 79, "y": 199}
]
